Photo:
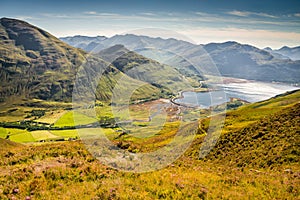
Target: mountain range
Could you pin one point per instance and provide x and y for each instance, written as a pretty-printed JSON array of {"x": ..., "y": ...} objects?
[
  {"x": 230, "y": 59},
  {"x": 285, "y": 52},
  {"x": 256, "y": 156},
  {"x": 35, "y": 64}
]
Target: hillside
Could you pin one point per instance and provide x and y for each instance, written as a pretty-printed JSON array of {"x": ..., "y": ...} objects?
[
  {"x": 245, "y": 61},
  {"x": 258, "y": 158},
  {"x": 272, "y": 141},
  {"x": 35, "y": 64},
  {"x": 148, "y": 70},
  {"x": 231, "y": 58},
  {"x": 6, "y": 145},
  {"x": 260, "y": 135}
]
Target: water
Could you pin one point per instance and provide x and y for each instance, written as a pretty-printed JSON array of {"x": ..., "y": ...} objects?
[{"x": 251, "y": 91}]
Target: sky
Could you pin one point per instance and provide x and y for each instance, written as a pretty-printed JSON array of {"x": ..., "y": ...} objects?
[{"x": 262, "y": 23}]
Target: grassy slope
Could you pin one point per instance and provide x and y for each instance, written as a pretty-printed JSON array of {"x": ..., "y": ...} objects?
[
  {"x": 145, "y": 69},
  {"x": 68, "y": 119},
  {"x": 6, "y": 144},
  {"x": 35, "y": 64},
  {"x": 249, "y": 114},
  {"x": 67, "y": 171},
  {"x": 258, "y": 119},
  {"x": 272, "y": 140}
]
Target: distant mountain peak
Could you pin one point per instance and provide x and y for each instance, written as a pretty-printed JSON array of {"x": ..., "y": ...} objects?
[
  {"x": 284, "y": 48},
  {"x": 268, "y": 49},
  {"x": 232, "y": 58}
]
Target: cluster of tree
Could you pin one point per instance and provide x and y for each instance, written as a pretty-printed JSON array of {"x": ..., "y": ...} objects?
[{"x": 30, "y": 125}]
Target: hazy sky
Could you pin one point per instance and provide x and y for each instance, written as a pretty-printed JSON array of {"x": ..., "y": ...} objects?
[{"x": 261, "y": 23}]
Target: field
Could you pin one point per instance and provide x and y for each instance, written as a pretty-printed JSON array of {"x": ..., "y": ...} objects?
[
  {"x": 68, "y": 119},
  {"x": 58, "y": 117}
]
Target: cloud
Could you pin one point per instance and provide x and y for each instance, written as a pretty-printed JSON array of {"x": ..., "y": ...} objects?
[
  {"x": 239, "y": 13},
  {"x": 203, "y": 14},
  {"x": 25, "y": 18},
  {"x": 55, "y": 15},
  {"x": 93, "y": 13},
  {"x": 264, "y": 15},
  {"x": 297, "y": 14},
  {"x": 247, "y": 14},
  {"x": 90, "y": 13},
  {"x": 260, "y": 38},
  {"x": 148, "y": 14}
]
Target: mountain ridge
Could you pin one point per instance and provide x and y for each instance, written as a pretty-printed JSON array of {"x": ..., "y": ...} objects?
[
  {"x": 35, "y": 64},
  {"x": 231, "y": 58}
]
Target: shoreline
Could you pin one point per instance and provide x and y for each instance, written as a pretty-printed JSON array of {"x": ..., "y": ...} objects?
[
  {"x": 196, "y": 90},
  {"x": 180, "y": 96}
]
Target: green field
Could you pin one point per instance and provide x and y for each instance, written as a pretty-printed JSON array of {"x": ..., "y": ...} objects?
[
  {"x": 68, "y": 119},
  {"x": 18, "y": 135},
  {"x": 42, "y": 135}
]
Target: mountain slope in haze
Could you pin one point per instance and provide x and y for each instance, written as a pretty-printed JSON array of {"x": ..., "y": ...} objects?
[
  {"x": 245, "y": 61},
  {"x": 275, "y": 54},
  {"x": 35, "y": 64},
  {"x": 147, "y": 70},
  {"x": 231, "y": 58},
  {"x": 83, "y": 42},
  {"x": 292, "y": 53}
]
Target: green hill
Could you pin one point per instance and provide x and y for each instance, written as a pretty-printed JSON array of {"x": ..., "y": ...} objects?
[
  {"x": 35, "y": 64},
  {"x": 147, "y": 70},
  {"x": 273, "y": 140},
  {"x": 262, "y": 134}
]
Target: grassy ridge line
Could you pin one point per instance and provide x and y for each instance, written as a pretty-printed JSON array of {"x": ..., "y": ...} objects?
[
  {"x": 263, "y": 134},
  {"x": 251, "y": 113},
  {"x": 273, "y": 140}
]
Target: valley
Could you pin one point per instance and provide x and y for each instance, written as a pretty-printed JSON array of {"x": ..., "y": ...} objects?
[{"x": 137, "y": 117}]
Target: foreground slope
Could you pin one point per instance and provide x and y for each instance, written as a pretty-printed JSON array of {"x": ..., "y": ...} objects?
[
  {"x": 272, "y": 140},
  {"x": 258, "y": 159},
  {"x": 6, "y": 145},
  {"x": 263, "y": 134}
]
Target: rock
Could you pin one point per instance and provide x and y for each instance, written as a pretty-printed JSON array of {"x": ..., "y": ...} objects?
[
  {"x": 16, "y": 190},
  {"x": 288, "y": 171}
]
